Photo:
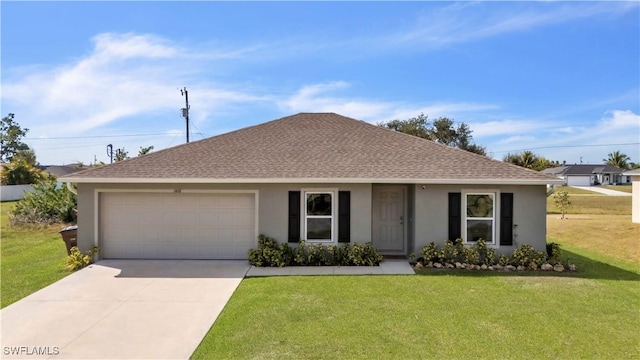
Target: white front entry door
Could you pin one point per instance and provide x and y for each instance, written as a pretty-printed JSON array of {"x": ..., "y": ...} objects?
[{"x": 388, "y": 219}]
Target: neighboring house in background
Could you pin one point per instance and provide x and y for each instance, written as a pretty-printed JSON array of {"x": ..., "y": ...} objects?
[
  {"x": 589, "y": 175},
  {"x": 16, "y": 192},
  {"x": 635, "y": 193},
  {"x": 61, "y": 170},
  {"x": 321, "y": 177}
]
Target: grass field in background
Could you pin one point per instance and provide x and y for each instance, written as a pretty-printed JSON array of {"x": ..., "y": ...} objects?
[
  {"x": 592, "y": 203},
  {"x": 31, "y": 258}
]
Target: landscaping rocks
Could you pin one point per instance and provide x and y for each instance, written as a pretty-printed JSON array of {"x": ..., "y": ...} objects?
[
  {"x": 572, "y": 267},
  {"x": 437, "y": 265},
  {"x": 546, "y": 267},
  {"x": 510, "y": 268},
  {"x": 558, "y": 268},
  {"x": 419, "y": 265}
]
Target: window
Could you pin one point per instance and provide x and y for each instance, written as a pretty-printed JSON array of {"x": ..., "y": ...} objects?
[
  {"x": 318, "y": 215},
  {"x": 480, "y": 217}
]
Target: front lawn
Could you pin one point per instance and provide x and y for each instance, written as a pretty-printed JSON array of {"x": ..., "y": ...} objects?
[
  {"x": 450, "y": 315},
  {"x": 30, "y": 259},
  {"x": 592, "y": 313}
]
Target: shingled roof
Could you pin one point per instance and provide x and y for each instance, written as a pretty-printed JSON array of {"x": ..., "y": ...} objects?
[{"x": 315, "y": 148}]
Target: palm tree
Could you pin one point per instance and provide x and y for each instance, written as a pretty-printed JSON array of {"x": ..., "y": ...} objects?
[{"x": 618, "y": 159}]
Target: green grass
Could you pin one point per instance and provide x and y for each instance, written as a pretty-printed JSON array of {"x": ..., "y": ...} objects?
[
  {"x": 596, "y": 204},
  {"x": 31, "y": 258},
  {"x": 452, "y": 314},
  {"x": 575, "y": 191},
  {"x": 591, "y": 313}
]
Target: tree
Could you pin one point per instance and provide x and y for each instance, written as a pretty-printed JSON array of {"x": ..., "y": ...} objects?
[
  {"x": 443, "y": 131},
  {"x": 145, "y": 150},
  {"x": 11, "y": 135},
  {"x": 561, "y": 199},
  {"x": 20, "y": 172},
  {"x": 28, "y": 155},
  {"x": 121, "y": 154},
  {"x": 529, "y": 160},
  {"x": 618, "y": 159},
  {"x": 417, "y": 126}
]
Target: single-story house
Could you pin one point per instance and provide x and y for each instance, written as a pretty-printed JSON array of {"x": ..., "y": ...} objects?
[
  {"x": 635, "y": 194},
  {"x": 588, "y": 175},
  {"x": 321, "y": 177}
]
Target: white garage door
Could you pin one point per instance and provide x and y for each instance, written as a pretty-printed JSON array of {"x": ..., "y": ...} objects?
[
  {"x": 579, "y": 180},
  {"x": 176, "y": 225}
]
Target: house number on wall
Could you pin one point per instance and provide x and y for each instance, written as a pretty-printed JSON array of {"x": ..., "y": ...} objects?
[{"x": 177, "y": 191}]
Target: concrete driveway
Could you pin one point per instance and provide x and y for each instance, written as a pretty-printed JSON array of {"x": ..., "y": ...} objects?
[
  {"x": 604, "y": 191},
  {"x": 122, "y": 309}
]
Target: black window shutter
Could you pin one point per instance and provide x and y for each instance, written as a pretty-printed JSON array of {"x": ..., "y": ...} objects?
[
  {"x": 344, "y": 216},
  {"x": 455, "y": 219},
  {"x": 506, "y": 218},
  {"x": 294, "y": 216}
]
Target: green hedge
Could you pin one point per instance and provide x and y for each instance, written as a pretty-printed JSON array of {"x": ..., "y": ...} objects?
[{"x": 272, "y": 254}]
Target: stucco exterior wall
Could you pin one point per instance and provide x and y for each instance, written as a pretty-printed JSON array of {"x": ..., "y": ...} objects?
[
  {"x": 272, "y": 206},
  {"x": 529, "y": 214}
]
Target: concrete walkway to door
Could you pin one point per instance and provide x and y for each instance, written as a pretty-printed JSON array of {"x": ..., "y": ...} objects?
[{"x": 122, "y": 309}]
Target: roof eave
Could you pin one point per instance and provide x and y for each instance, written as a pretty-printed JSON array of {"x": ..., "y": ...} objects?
[{"x": 311, "y": 180}]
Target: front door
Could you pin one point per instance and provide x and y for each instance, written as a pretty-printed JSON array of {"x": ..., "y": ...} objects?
[{"x": 388, "y": 219}]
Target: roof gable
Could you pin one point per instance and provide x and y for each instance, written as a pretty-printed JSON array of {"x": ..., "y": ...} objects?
[{"x": 318, "y": 147}]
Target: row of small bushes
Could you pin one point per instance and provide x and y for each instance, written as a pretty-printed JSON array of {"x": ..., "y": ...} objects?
[
  {"x": 271, "y": 254},
  {"x": 480, "y": 254}
]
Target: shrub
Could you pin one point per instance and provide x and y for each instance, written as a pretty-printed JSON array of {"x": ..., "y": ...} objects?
[
  {"x": 371, "y": 255},
  {"x": 356, "y": 255},
  {"x": 47, "y": 204},
  {"x": 503, "y": 260},
  {"x": 487, "y": 255},
  {"x": 77, "y": 260},
  {"x": 526, "y": 254},
  {"x": 429, "y": 252},
  {"x": 316, "y": 255},
  {"x": 470, "y": 255},
  {"x": 343, "y": 255},
  {"x": 269, "y": 253},
  {"x": 554, "y": 253},
  {"x": 449, "y": 253}
]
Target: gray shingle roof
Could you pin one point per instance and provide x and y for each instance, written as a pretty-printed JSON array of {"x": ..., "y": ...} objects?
[
  {"x": 315, "y": 147},
  {"x": 589, "y": 169}
]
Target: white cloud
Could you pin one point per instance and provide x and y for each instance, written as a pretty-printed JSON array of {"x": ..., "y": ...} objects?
[
  {"x": 617, "y": 119},
  {"x": 320, "y": 98},
  {"x": 125, "y": 75},
  {"x": 463, "y": 22}
]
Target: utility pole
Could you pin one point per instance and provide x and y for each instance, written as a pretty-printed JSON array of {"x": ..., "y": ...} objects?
[
  {"x": 110, "y": 153},
  {"x": 185, "y": 110}
]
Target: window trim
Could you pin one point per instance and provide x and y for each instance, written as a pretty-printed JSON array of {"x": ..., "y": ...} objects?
[
  {"x": 495, "y": 218},
  {"x": 334, "y": 213}
]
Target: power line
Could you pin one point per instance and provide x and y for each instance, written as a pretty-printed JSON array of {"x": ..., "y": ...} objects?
[
  {"x": 566, "y": 146},
  {"x": 97, "y": 136}
]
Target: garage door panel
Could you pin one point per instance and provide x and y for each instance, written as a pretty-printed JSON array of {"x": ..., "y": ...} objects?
[{"x": 177, "y": 226}]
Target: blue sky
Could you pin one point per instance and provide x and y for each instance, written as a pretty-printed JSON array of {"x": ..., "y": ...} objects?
[{"x": 559, "y": 78}]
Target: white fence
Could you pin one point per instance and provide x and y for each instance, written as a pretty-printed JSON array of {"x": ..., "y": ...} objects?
[{"x": 14, "y": 192}]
